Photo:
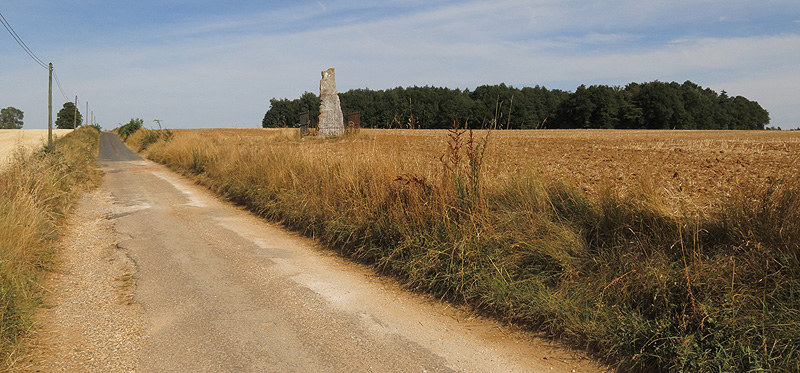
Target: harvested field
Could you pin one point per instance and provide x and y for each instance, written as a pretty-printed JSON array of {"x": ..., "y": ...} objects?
[{"x": 690, "y": 169}]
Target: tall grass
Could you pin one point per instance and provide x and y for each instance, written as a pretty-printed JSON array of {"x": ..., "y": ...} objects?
[
  {"x": 622, "y": 276},
  {"x": 37, "y": 188}
]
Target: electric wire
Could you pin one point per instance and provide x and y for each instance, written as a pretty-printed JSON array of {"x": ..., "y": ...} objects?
[
  {"x": 60, "y": 87},
  {"x": 30, "y": 53},
  {"x": 20, "y": 42}
]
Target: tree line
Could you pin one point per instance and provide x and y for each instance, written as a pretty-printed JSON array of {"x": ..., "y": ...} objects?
[{"x": 653, "y": 105}]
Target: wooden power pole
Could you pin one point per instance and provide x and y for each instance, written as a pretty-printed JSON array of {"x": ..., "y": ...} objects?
[
  {"x": 50, "y": 110},
  {"x": 75, "y": 115}
]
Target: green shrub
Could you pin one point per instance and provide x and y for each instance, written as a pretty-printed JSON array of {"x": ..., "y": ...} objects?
[{"x": 129, "y": 128}]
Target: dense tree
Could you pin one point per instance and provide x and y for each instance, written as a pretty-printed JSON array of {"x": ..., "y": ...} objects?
[
  {"x": 654, "y": 105},
  {"x": 68, "y": 116},
  {"x": 662, "y": 106},
  {"x": 593, "y": 107},
  {"x": 11, "y": 118}
]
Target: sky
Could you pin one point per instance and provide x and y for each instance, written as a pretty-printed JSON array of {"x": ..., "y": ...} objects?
[{"x": 206, "y": 63}]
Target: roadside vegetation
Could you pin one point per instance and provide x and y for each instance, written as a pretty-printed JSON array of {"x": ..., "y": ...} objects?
[
  {"x": 623, "y": 275},
  {"x": 37, "y": 189},
  {"x": 129, "y": 128}
]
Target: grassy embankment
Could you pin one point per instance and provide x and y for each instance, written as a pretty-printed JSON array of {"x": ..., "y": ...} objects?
[
  {"x": 623, "y": 276},
  {"x": 37, "y": 189}
]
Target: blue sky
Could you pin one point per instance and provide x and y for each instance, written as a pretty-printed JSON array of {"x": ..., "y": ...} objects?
[{"x": 204, "y": 63}]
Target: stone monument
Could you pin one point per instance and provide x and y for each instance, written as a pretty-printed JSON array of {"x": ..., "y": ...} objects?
[{"x": 331, "y": 120}]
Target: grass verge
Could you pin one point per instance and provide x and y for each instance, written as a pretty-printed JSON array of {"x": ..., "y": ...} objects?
[
  {"x": 641, "y": 287},
  {"x": 37, "y": 188}
]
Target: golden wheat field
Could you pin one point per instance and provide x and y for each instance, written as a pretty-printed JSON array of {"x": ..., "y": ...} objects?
[
  {"x": 11, "y": 139},
  {"x": 692, "y": 169}
]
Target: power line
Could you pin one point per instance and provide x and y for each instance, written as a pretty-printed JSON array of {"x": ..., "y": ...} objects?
[
  {"x": 60, "y": 87},
  {"x": 20, "y": 42},
  {"x": 30, "y": 53}
]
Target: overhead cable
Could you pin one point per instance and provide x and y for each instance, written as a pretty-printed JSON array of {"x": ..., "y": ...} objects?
[
  {"x": 60, "y": 87},
  {"x": 20, "y": 42},
  {"x": 30, "y": 53}
]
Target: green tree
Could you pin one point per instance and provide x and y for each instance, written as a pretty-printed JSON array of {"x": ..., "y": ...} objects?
[
  {"x": 68, "y": 116},
  {"x": 662, "y": 105},
  {"x": 598, "y": 106},
  {"x": 286, "y": 113},
  {"x": 11, "y": 118}
]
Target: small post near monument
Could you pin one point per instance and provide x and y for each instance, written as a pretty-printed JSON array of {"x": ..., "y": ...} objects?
[
  {"x": 304, "y": 124},
  {"x": 331, "y": 120}
]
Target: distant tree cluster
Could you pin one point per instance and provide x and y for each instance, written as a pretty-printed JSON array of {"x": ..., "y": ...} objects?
[
  {"x": 654, "y": 105},
  {"x": 11, "y": 118}
]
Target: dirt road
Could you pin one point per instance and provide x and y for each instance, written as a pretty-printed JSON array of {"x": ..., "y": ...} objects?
[{"x": 159, "y": 276}]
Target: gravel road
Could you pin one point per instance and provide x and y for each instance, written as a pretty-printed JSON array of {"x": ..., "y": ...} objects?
[{"x": 157, "y": 275}]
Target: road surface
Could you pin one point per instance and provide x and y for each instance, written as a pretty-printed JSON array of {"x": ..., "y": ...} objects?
[{"x": 195, "y": 284}]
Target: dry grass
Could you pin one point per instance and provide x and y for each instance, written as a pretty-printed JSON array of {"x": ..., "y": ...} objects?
[
  {"x": 657, "y": 250},
  {"x": 700, "y": 168},
  {"x": 692, "y": 169},
  {"x": 36, "y": 190}
]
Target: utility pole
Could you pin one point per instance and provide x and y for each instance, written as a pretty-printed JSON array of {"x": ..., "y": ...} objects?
[
  {"x": 87, "y": 113},
  {"x": 50, "y": 110},
  {"x": 75, "y": 115}
]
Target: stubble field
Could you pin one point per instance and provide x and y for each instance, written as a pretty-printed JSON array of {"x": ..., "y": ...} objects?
[{"x": 688, "y": 169}]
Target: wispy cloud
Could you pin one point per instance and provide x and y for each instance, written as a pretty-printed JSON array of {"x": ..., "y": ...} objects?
[{"x": 221, "y": 69}]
